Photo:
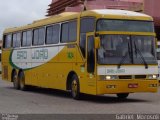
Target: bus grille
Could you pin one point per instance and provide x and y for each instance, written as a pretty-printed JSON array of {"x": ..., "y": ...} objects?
[
  {"x": 125, "y": 77},
  {"x": 140, "y": 76}
]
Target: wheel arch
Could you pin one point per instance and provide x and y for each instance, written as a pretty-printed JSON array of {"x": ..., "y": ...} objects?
[
  {"x": 69, "y": 79},
  {"x": 20, "y": 72},
  {"x": 13, "y": 71}
]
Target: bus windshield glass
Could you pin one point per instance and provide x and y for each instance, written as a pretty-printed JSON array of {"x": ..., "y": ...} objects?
[
  {"x": 129, "y": 49},
  {"x": 125, "y": 25}
]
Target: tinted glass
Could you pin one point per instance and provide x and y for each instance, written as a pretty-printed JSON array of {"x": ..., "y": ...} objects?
[
  {"x": 49, "y": 35},
  {"x": 87, "y": 25},
  {"x": 8, "y": 41},
  {"x": 118, "y": 49},
  {"x": 29, "y": 38},
  {"x": 144, "y": 46},
  {"x": 14, "y": 40},
  {"x": 125, "y": 25},
  {"x": 65, "y": 33},
  {"x": 24, "y": 39},
  {"x": 18, "y": 42},
  {"x": 56, "y": 33},
  {"x": 72, "y": 31},
  {"x": 41, "y": 36},
  {"x": 69, "y": 32},
  {"x": 35, "y": 41},
  {"x": 91, "y": 55},
  {"x": 53, "y": 34}
]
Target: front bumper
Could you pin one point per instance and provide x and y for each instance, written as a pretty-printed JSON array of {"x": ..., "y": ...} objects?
[{"x": 122, "y": 86}]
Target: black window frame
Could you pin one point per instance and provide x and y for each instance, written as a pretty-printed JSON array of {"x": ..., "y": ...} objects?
[
  {"x": 90, "y": 54},
  {"x": 14, "y": 40},
  {"x": 4, "y": 41},
  {"x": 123, "y": 26},
  {"x": 24, "y": 32},
  {"x": 38, "y": 42},
  {"x": 54, "y": 41},
  {"x": 68, "y": 32},
  {"x": 30, "y": 43},
  {"x": 83, "y": 34},
  {"x": 86, "y": 24},
  {"x": 26, "y": 37}
]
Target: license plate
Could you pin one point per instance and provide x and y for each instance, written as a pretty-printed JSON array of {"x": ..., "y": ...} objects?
[{"x": 133, "y": 85}]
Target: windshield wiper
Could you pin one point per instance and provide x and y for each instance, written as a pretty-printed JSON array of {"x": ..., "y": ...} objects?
[
  {"x": 124, "y": 57},
  {"x": 141, "y": 56}
]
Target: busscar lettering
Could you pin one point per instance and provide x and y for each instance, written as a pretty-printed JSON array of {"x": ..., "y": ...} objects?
[{"x": 40, "y": 54}]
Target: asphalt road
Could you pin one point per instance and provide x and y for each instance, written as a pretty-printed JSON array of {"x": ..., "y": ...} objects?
[{"x": 44, "y": 101}]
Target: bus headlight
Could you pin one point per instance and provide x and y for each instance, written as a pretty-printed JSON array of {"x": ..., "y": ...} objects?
[
  {"x": 108, "y": 77},
  {"x": 152, "y": 76}
]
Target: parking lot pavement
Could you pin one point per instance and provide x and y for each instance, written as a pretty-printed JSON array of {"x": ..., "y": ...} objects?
[{"x": 46, "y": 101}]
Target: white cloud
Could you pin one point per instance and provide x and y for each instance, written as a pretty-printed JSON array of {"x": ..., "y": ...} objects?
[{"x": 20, "y": 12}]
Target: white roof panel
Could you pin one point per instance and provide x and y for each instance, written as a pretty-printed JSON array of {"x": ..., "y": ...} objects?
[{"x": 119, "y": 12}]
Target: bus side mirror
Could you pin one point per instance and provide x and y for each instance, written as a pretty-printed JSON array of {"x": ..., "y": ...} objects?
[{"x": 97, "y": 43}]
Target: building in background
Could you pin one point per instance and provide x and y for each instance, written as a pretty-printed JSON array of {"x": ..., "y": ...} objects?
[
  {"x": 147, "y": 6},
  {"x": 58, "y": 6}
]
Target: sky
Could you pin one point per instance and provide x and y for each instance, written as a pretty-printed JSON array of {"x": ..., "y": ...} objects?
[{"x": 14, "y": 13}]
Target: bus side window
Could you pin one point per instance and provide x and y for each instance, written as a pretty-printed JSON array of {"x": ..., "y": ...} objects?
[
  {"x": 7, "y": 43},
  {"x": 52, "y": 36},
  {"x": 69, "y": 32},
  {"x": 27, "y": 38},
  {"x": 16, "y": 40},
  {"x": 87, "y": 25},
  {"x": 24, "y": 39},
  {"x": 39, "y": 35}
]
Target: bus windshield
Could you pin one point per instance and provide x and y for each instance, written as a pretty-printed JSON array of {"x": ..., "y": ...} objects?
[
  {"x": 129, "y": 49},
  {"x": 125, "y": 25}
]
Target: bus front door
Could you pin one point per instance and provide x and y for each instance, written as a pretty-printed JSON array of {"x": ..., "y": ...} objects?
[{"x": 91, "y": 63}]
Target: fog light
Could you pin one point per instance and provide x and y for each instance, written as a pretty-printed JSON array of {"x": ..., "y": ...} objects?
[
  {"x": 108, "y": 77},
  {"x": 153, "y": 85},
  {"x": 152, "y": 76}
]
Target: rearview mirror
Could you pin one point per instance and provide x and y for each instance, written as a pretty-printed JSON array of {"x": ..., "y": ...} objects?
[{"x": 97, "y": 43}]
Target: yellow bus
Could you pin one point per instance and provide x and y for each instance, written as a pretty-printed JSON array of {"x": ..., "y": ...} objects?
[{"x": 94, "y": 52}]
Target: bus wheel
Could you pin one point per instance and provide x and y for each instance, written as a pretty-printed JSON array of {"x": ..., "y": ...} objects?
[
  {"x": 122, "y": 95},
  {"x": 15, "y": 81},
  {"x": 22, "y": 81},
  {"x": 75, "y": 91}
]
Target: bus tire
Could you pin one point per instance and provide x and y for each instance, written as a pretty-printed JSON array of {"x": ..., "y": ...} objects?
[
  {"x": 75, "y": 88},
  {"x": 15, "y": 80},
  {"x": 122, "y": 95},
  {"x": 21, "y": 78}
]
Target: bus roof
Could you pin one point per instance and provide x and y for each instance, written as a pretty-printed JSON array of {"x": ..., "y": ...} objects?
[
  {"x": 104, "y": 13},
  {"x": 119, "y": 12}
]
